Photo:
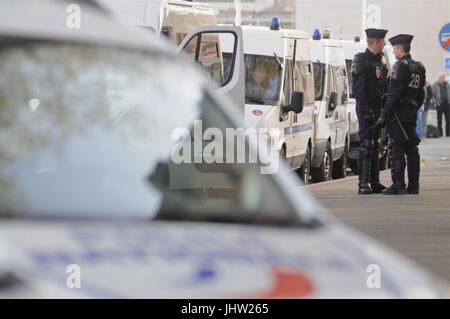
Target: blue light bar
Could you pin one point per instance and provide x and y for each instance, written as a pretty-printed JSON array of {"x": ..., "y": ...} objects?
[
  {"x": 275, "y": 24},
  {"x": 317, "y": 35}
]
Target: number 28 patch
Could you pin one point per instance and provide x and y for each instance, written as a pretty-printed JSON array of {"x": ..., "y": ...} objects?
[{"x": 415, "y": 80}]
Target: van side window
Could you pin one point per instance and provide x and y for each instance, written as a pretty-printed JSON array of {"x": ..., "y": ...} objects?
[
  {"x": 331, "y": 83},
  {"x": 299, "y": 77},
  {"x": 288, "y": 82},
  {"x": 309, "y": 82},
  {"x": 341, "y": 83},
  {"x": 348, "y": 64},
  {"x": 210, "y": 60},
  {"x": 214, "y": 51},
  {"x": 303, "y": 80},
  {"x": 319, "y": 80},
  {"x": 191, "y": 47},
  {"x": 331, "y": 86}
]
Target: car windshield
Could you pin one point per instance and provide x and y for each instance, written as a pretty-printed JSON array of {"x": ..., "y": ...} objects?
[
  {"x": 87, "y": 131},
  {"x": 262, "y": 79}
]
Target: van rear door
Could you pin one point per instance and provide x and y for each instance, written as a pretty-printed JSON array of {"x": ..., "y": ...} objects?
[{"x": 219, "y": 51}]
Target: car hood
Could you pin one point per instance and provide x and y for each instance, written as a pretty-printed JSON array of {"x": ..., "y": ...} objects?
[{"x": 200, "y": 260}]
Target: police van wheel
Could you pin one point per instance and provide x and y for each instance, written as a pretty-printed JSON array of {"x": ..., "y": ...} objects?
[
  {"x": 304, "y": 171},
  {"x": 283, "y": 153},
  {"x": 325, "y": 171},
  {"x": 340, "y": 166}
]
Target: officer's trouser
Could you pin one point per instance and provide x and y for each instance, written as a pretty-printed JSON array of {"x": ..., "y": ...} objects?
[
  {"x": 401, "y": 147},
  {"x": 368, "y": 161}
]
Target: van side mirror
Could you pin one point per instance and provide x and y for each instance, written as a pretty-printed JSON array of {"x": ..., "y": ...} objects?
[
  {"x": 297, "y": 102},
  {"x": 160, "y": 177},
  {"x": 333, "y": 101},
  {"x": 344, "y": 99},
  {"x": 165, "y": 33}
]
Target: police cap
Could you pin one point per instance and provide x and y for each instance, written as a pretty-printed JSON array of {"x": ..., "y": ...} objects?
[
  {"x": 401, "y": 39},
  {"x": 375, "y": 33}
]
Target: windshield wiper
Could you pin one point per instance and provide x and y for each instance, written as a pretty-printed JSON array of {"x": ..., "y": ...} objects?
[{"x": 280, "y": 64}]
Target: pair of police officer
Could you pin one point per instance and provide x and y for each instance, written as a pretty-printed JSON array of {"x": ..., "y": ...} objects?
[{"x": 393, "y": 102}]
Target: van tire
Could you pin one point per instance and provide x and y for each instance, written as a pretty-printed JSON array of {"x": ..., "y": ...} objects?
[
  {"x": 325, "y": 171},
  {"x": 304, "y": 172},
  {"x": 340, "y": 166},
  {"x": 283, "y": 153}
]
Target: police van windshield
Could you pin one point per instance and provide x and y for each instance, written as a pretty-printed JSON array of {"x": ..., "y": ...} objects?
[
  {"x": 86, "y": 133},
  {"x": 262, "y": 79}
]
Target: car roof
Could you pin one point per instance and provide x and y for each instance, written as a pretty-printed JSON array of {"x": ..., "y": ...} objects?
[{"x": 46, "y": 20}]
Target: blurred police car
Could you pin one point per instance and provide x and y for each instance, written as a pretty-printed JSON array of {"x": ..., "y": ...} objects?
[{"x": 87, "y": 199}]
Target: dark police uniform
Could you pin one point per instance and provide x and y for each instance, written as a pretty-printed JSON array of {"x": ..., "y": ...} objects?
[
  {"x": 369, "y": 88},
  {"x": 405, "y": 96}
]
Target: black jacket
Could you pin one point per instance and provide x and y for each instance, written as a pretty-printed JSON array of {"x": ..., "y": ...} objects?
[{"x": 369, "y": 83}]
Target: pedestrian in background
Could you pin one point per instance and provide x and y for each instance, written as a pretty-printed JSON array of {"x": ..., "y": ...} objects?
[
  {"x": 441, "y": 98},
  {"x": 426, "y": 107},
  {"x": 419, "y": 124}
]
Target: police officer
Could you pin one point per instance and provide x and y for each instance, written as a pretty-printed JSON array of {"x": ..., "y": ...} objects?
[
  {"x": 369, "y": 88},
  {"x": 405, "y": 96}
]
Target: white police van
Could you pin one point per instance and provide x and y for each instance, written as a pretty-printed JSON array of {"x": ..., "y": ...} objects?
[
  {"x": 350, "y": 49},
  {"x": 269, "y": 73},
  {"x": 331, "y": 129},
  {"x": 170, "y": 18}
]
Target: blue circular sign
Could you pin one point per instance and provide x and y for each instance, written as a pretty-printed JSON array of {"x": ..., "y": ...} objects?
[
  {"x": 444, "y": 37},
  {"x": 257, "y": 112}
]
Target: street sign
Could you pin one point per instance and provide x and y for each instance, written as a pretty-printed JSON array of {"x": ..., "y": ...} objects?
[
  {"x": 444, "y": 37},
  {"x": 447, "y": 62}
]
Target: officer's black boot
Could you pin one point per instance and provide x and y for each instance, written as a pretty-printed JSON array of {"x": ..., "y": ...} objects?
[
  {"x": 413, "y": 188},
  {"x": 398, "y": 186},
  {"x": 365, "y": 153},
  {"x": 377, "y": 187},
  {"x": 413, "y": 164}
]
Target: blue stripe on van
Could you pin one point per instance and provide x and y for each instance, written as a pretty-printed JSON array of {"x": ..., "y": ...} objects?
[{"x": 301, "y": 128}]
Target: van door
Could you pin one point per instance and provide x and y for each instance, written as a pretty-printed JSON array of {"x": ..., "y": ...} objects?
[
  {"x": 341, "y": 119},
  {"x": 219, "y": 51},
  {"x": 303, "y": 82},
  {"x": 287, "y": 118},
  {"x": 330, "y": 114}
]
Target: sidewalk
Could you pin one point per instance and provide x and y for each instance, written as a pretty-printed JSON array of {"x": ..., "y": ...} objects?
[{"x": 416, "y": 225}]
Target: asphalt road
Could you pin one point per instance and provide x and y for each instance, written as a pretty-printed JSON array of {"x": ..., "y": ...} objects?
[{"x": 416, "y": 225}]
